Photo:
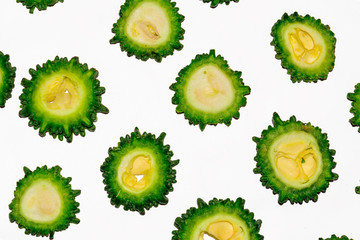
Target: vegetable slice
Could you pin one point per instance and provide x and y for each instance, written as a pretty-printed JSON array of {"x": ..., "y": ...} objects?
[
  {"x": 220, "y": 219},
  {"x": 7, "y": 78},
  {"x": 294, "y": 160},
  {"x": 149, "y": 29},
  {"x": 62, "y": 98},
  {"x": 39, "y": 4},
  {"x": 208, "y": 92},
  {"x": 44, "y": 202},
  {"x": 138, "y": 173},
  {"x": 215, "y": 3},
  {"x": 305, "y": 46},
  {"x": 334, "y": 237}
]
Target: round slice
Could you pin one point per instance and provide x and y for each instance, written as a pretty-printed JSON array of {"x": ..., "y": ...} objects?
[
  {"x": 355, "y": 106},
  {"x": 7, "y": 78},
  {"x": 208, "y": 92},
  {"x": 44, "y": 202},
  {"x": 219, "y": 219},
  {"x": 215, "y": 3},
  {"x": 149, "y": 29},
  {"x": 138, "y": 173},
  {"x": 62, "y": 98},
  {"x": 305, "y": 46},
  {"x": 334, "y": 237},
  {"x": 39, "y": 4},
  {"x": 294, "y": 160}
]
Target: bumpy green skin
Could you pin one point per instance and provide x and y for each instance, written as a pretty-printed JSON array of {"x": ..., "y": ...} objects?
[
  {"x": 357, "y": 190},
  {"x": 59, "y": 127},
  {"x": 187, "y": 222},
  {"x": 8, "y": 78},
  {"x": 282, "y": 52},
  {"x": 268, "y": 176},
  {"x": 144, "y": 52},
  {"x": 156, "y": 194},
  {"x": 39, "y": 4},
  {"x": 70, "y": 206},
  {"x": 355, "y": 106},
  {"x": 334, "y": 237},
  {"x": 215, "y": 3},
  {"x": 201, "y": 118}
]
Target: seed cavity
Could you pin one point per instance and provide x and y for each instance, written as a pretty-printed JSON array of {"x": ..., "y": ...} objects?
[
  {"x": 147, "y": 28},
  {"x": 137, "y": 174},
  {"x": 222, "y": 230}
]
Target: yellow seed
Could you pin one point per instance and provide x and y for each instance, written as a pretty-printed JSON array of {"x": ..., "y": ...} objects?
[
  {"x": 140, "y": 165},
  {"x": 312, "y": 56},
  {"x": 221, "y": 230},
  {"x": 62, "y": 93},
  {"x": 288, "y": 167},
  {"x": 305, "y": 39},
  {"x": 149, "y": 29},
  {"x": 298, "y": 49},
  {"x": 309, "y": 165}
]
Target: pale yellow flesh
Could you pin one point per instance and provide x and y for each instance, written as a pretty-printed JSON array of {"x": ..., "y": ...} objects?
[
  {"x": 60, "y": 94},
  {"x": 296, "y": 158},
  {"x": 41, "y": 202},
  {"x": 136, "y": 171},
  {"x": 221, "y": 227},
  {"x": 148, "y": 24},
  {"x": 305, "y": 44},
  {"x": 209, "y": 89}
]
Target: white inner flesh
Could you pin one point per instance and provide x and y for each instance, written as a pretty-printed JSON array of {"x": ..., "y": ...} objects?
[
  {"x": 317, "y": 38},
  {"x": 297, "y": 142},
  {"x": 41, "y": 202},
  {"x": 202, "y": 229},
  {"x": 124, "y": 163},
  {"x": 209, "y": 89},
  {"x": 148, "y": 24}
]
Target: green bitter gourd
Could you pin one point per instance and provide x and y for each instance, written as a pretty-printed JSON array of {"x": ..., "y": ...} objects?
[
  {"x": 220, "y": 219},
  {"x": 334, "y": 237},
  {"x": 305, "y": 46},
  {"x": 62, "y": 98},
  {"x": 44, "y": 202},
  {"x": 7, "y": 78},
  {"x": 149, "y": 29},
  {"x": 215, "y": 3},
  {"x": 355, "y": 106},
  {"x": 294, "y": 160},
  {"x": 138, "y": 173},
  {"x": 208, "y": 92},
  {"x": 39, "y": 4}
]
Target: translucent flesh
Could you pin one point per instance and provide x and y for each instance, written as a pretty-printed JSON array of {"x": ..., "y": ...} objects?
[
  {"x": 148, "y": 24},
  {"x": 305, "y": 44},
  {"x": 296, "y": 158},
  {"x": 41, "y": 202},
  {"x": 209, "y": 89}
]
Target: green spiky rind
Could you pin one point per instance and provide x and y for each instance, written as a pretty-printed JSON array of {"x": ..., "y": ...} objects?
[
  {"x": 156, "y": 194},
  {"x": 201, "y": 118},
  {"x": 357, "y": 190},
  {"x": 70, "y": 206},
  {"x": 145, "y": 52},
  {"x": 188, "y": 221},
  {"x": 215, "y": 3},
  {"x": 56, "y": 127},
  {"x": 355, "y": 106},
  {"x": 8, "y": 79},
  {"x": 39, "y": 4},
  {"x": 282, "y": 53},
  {"x": 334, "y": 237},
  {"x": 268, "y": 176}
]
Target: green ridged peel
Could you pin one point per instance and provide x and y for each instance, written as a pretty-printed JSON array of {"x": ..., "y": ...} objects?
[
  {"x": 334, "y": 237},
  {"x": 160, "y": 178},
  {"x": 215, "y": 3},
  {"x": 318, "y": 148},
  {"x": 39, "y": 4},
  {"x": 77, "y": 82},
  {"x": 196, "y": 221},
  {"x": 7, "y": 79},
  {"x": 145, "y": 38},
  {"x": 229, "y": 92},
  {"x": 68, "y": 207}
]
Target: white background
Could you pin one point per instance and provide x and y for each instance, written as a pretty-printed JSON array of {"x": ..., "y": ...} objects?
[{"x": 215, "y": 163}]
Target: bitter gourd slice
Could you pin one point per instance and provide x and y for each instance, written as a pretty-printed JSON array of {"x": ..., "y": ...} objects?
[
  {"x": 138, "y": 173},
  {"x": 7, "y": 78},
  {"x": 355, "y": 106},
  {"x": 334, "y": 237},
  {"x": 62, "y": 98},
  {"x": 294, "y": 160},
  {"x": 208, "y": 92},
  {"x": 39, "y": 4},
  {"x": 149, "y": 29},
  {"x": 215, "y": 3},
  {"x": 219, "y": 219},
  {"x": 44, "y": 202},
  {"x": 305, "y": 46}
]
